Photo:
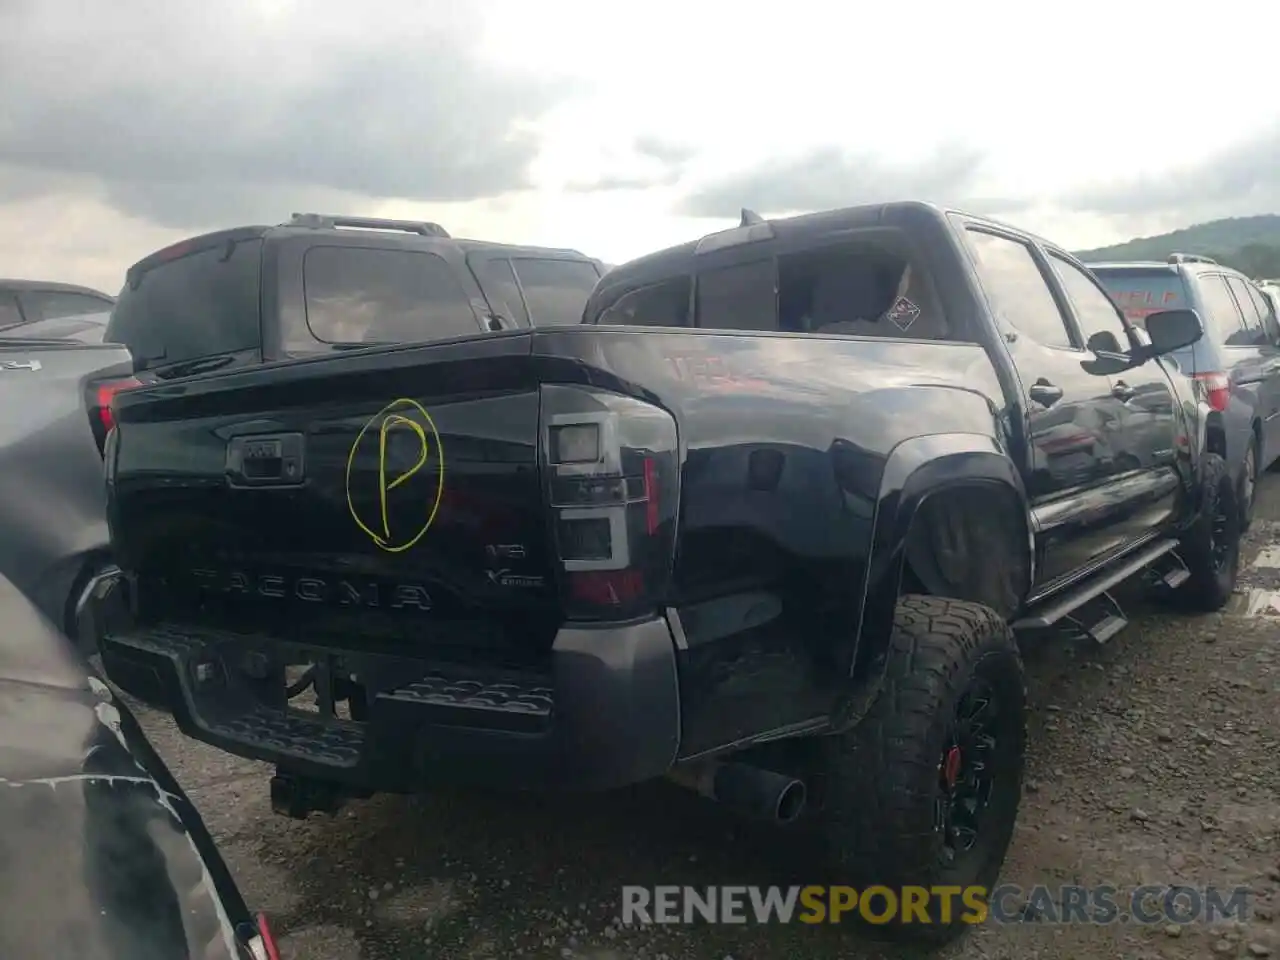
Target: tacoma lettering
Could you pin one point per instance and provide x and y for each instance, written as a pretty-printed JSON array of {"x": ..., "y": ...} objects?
[{"x": 343, "y": 593}]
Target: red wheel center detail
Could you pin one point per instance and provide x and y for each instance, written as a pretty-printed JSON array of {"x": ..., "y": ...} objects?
[{"x": 951, "y": 767}]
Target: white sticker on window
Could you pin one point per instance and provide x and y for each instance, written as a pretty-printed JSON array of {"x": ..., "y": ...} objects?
[{"x": 903, "y": 314}]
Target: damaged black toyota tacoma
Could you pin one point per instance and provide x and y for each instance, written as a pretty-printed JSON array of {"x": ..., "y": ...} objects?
[{"x": 767, "y": 523}]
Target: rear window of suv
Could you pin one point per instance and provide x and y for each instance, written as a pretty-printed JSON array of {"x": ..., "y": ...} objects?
[
  {"x": 198, "y": 305},
  {"x": 1140, "y": 293},
  {"x": 381, "y": 295}
]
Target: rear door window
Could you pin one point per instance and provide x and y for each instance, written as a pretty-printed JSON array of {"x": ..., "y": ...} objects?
[
  {"x": 664, "y": 304},
  {"x": 199, "y": 305},
  {"x": 53, "y": 304},
  {"x": 866, "y": 287},
  {"x": 378, "y": 295},
  {"x": 739, "y": 297},
  {"x": 555, "y": 291},
  {"x": 1252, "y": 315},
  {"x": 1266, "y": 310},
  {"x": 498, "y": 281},
  {"x": 1223, "y": 316}
]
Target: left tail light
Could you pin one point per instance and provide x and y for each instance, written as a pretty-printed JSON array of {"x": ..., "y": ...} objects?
[
  {"x": 610, "y": 475},
  {"x": 100, "y": 394}
]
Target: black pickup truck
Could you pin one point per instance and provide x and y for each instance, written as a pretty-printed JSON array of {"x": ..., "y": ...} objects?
[{"x": 766, "y": 523}]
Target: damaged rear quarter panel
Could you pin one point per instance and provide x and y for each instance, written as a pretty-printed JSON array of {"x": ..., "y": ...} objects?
[{"x": 784, "y": 441}]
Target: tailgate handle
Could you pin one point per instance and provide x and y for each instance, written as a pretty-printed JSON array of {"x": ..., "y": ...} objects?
[{"x": 266, "y": 460}]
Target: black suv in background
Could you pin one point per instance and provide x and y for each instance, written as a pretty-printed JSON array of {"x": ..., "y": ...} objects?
[
  {"x": 30, "y": 301},
  {"x": 1237, "y": 361},
  {"x": 321, "y": 283}
]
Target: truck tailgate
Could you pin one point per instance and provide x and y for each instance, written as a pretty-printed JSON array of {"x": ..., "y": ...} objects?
[{"x": 389, "y": 497}]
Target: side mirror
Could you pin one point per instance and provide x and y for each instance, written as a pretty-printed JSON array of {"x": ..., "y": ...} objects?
[
  {"x": 1109, "y": 358},
  {"x": 1104, "y": 341},
  {"x": 1172, "y": 330}
]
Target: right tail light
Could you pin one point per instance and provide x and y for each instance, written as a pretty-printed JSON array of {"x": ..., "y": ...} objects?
[
  {"x": 611, "y": 474},
  {"x": 1216, "y": 389}
]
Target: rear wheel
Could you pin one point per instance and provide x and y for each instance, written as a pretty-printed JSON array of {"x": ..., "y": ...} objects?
[
  {"x": 925, "y": 790},
  {"x": 1248, "y": 484},
  {"x": 1211, "y": 548}
]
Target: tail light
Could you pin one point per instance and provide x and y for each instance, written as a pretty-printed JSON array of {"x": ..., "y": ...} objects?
[
  {"x": 101, "y": 419},
  {"x": 611, "y": 477},
  {"x": 1216, "y": 389}
]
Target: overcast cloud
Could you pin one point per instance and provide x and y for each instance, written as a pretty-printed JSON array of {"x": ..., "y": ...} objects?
[
  {"x": 1240, "y": 179},
  {"x": 827, "y": 177},
  {"x": 188, "y": 114},
  {"x": 128, "y": 124}
]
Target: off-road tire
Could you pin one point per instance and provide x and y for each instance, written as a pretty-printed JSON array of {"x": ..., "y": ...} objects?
[
  {"x": 1213, "y": 576},
  {"x": 883, "y": 776}
]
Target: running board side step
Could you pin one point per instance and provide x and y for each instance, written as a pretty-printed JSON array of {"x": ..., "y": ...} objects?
[{"x": 1110, "y": 619}]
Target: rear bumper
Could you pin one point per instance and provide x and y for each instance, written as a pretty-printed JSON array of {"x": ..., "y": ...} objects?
[{"x": 605, "y": 714}]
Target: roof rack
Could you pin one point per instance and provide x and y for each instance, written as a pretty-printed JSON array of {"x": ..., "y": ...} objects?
[
  {"x": 1190, "y": 258},
  {"x": 328, "y": 221}
]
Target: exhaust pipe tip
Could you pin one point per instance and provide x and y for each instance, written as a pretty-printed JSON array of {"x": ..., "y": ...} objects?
[
  {"x": 791, "y": 802},
  {"x": 750, "y": 791}
]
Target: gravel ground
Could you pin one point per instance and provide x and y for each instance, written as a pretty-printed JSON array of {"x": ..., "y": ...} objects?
[{"x": 1153, "y": 760}]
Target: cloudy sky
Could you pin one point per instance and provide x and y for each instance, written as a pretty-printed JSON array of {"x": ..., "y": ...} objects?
[{"x": 618, "y": 128}]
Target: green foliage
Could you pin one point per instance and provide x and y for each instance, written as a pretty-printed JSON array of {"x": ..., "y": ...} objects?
[{"x": 1250, "y": 244}]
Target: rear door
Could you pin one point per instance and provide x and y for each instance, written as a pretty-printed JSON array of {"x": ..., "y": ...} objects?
[
  {"x": 1236, "y": 337},
  {"x": 1263, "y": 364}
]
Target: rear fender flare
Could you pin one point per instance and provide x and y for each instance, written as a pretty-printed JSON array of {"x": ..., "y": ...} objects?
[{"x": 917, "y": 470}]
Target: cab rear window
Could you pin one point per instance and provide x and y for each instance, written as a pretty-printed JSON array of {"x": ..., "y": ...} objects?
[{"x": 1140, "y": 293}]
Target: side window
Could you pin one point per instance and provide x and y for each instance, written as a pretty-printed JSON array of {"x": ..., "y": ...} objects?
[
  {"x": 1270, "y": 324},
  {"x": 1252, "y": 317},
  {"x": 53, "y": 304},
  {"x": 664, "y": 304},
  {"x": 1093, "y": 308},
  {"x": 1011, "y": 276},
  {"x": 1223, "y": 316},
  {"x": 866, "y": 288},
  {"x": 499, "y": 283},
  {"x": 555, "y": 290},
  {"x": 372, "y": 295},
  {"x": 9, "y": 312},
  {"x": 740, "y": 297}
]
